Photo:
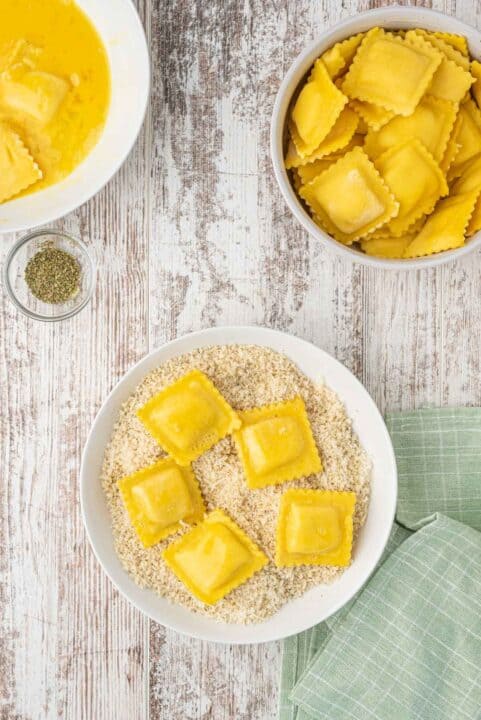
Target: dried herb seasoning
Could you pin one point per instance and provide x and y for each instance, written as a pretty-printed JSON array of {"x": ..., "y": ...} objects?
[{"x": 53, "y": 275}]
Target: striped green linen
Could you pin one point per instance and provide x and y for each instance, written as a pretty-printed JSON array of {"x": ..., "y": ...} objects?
[
  {"x": 438, "y": 455},
  {"x": 300, "y": 649},
  {"x": 408, "y": 646}
]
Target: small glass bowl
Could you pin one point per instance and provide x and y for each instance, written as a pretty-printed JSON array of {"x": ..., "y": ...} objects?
[{"x": 17, "y": 288}]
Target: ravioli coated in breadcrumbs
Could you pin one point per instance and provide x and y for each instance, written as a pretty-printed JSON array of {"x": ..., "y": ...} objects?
[{"x": 247, "y": 376}]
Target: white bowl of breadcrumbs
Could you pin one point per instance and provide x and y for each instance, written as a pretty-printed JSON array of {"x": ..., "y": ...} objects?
[{"x": 251, "y": 367}]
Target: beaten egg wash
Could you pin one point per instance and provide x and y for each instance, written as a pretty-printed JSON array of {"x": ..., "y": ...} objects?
[{"x": 54, "y": 92}]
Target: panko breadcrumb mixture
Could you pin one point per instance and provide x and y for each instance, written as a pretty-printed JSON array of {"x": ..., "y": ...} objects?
[{"x": 247, "y": 376}]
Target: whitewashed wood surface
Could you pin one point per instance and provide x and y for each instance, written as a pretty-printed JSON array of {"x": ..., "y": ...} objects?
[{"x": 193, "y": 232}]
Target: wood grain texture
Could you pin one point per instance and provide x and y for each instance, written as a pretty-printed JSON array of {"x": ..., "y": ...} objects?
[
  {"x": 193, "y": 232},
  {"x": 70, "y": 646}
]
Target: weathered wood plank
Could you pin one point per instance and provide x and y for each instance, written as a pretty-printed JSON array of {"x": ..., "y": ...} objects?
[
  {"x": 70, "y": 646},
  {"x": 403, "y": 337},
  {"x": 228, "y": 252},
  {"x": 69, "y": 642},
  {"x": 461, "y": 339},
  {"x": 193, "y": 232}
]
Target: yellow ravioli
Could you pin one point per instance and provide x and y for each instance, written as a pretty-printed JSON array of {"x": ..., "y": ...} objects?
[
  {"x": 316, "y": 110},
  {"x": 415, "y": 180},
  {"x": 338, "y": 138},
  {"x": 391, "y": 71},
  {"x": 422, "y": 135},
  {"x": 468, "y": 138},
  {"x": 445, "y": 228},
  {"x": 340, "y": 55},
  {"x": 450, "y": 82},
  {"x": 431, "y": 123},
  {"x": 475, "y": 70},
  {"x": 35, "y": 93},
  {"x": 452, "y": 148},
  {"x": 469, "y": 181},
  {"x": 309, "y": 171},
  {"x": 475, "y": 221},
  {"x": 17, "y": 54},
  {"x": 38, "y": 95},
  {"x": 456, "y": 41},
  {"x": 357, "y": 140},
  {"x": 9, "y": 54},
  {"x": 54, "y": 83},
  {"x": 275, "y": 444},
  {"x": 160, "y": 498},
  {"x": 374, "y": 116},
  {"x": 18, "y": 169},
  {"x": 333, "y": 61},
  {"x": 313, "y": 169},
  {"x": 214, "y": 558},
  {"x": 442, "y": 46},
  {"x": 350, "y": 197},
  {"x": 315, "y": 528},
  {"x": 452, "y": 79},
  {"x": 471, "y": 177},
  {"x": 188, "y": 417},
  {"x": 384, "y": 233},
  {"x": 389, "y": 247}
]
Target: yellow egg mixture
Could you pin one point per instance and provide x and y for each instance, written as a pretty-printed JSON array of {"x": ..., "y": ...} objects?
[{"x": 54, "y": 92}]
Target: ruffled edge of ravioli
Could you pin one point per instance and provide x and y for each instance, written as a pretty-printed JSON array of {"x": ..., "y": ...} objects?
[
  {"x": 475, "y": 220},
  {"x": 326, "y": 224},
  {"x": 450, "y": 81},
  {"x": 383, "y": 232},
  {"x": 32, "y": 172},
  {"x": 374, "y": 116},
  {"x": 458, "y": 42},
  {"x": 468, "y": 111},
  {"x": 475, "y": 70},
  {"x": 308, "y": 463},
  {"x": 338, "y": 56},
  {"x": 319, "y": 77},
  {"x": 258, "y": 559},
  {"x": 345, "y": 503},
  {"x": 449, "y": 111},
  {"x": 443, "y": 47},
  {"x": 338, "y": 138},
  {"x": 308, "y": 172},
  {"x": 399, "y": 226},
  {"x": 305, "y": 171},
  {"x": 430, "y": 240},
  {"x": 387, "y": 247},
  {"x": 417, "y": 43},
  {"x": 452, "y": 147}
]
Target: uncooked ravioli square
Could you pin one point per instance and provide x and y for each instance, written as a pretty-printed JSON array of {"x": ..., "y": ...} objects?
[
  {"x": 350, "y": 197},
  {"x": 391, "y": 71}
]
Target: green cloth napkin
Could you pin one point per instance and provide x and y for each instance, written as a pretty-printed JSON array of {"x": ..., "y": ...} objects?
[{"x": 408, "y": 646}]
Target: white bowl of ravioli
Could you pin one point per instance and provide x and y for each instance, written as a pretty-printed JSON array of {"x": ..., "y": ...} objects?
[
  {"x": 249, "y": 366},
  {"x": 461, "y": 216},
  {"x": 74, "y": 86}
]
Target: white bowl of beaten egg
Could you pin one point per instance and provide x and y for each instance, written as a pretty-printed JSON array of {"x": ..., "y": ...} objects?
[
  {"x": 394, "y": 19},
  {"x": 251, "y": 366},
  {"x": 74, "y": 86}
]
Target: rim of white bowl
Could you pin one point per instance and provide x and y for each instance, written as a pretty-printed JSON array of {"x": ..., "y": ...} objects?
[
  {"x": 350, "y": 26},
  {"x": 121, "y": 580},
  {"x": 87, "y": 195}
]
